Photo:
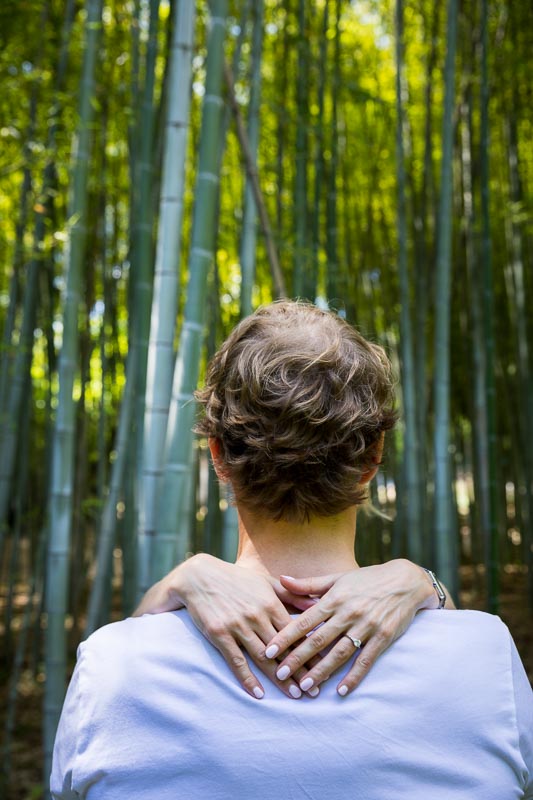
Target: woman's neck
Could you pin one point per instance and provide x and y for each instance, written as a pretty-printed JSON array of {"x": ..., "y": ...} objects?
[{"x": 322, "y": 546}]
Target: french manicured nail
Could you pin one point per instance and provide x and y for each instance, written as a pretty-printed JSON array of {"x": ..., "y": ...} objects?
[
  {"x": 272, "y": 651},
  {"x": 259, "y": 693},
  {"x": 342, "y": 690},
  {"x": 282, "y": 673},
  {"x": 314, "y": 692},
  {"x": 306, "y": 684},
  {"x": 294, "y": 691}
]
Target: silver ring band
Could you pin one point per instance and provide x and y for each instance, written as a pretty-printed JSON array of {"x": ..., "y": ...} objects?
[{"x": 354, "y": 640}]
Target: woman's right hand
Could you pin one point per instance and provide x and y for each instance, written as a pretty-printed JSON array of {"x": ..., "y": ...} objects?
[
  {"x": 233, "y": 608},
  {"x": 371, "y": 606}
]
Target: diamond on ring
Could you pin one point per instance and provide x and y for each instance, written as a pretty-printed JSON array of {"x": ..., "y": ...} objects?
[{"x": 354, "y": 640}]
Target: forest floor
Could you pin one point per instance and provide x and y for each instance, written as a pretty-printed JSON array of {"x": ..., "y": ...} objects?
[{"x": 26, "y": 754}]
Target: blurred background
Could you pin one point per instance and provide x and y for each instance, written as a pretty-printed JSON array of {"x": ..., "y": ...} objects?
[{"x": 165, "y": 167}]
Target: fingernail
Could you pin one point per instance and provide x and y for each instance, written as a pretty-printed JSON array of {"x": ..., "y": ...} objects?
[
  {"x": 314, "y": 692},
  {"x": 282, "y": 673},
  {"x": 294, "y": 691},
  {"x": 259, "y": 693},
  {"x": 272, "y": 651},
  {"x": 342, "y": 690},
  {"x": 289, "y": 577},
  {"x": 306, "y": 684}
]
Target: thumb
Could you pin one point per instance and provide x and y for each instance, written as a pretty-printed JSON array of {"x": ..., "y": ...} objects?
[{"x": 311, "y": 586}]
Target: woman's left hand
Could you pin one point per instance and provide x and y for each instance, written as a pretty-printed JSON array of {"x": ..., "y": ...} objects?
[
  {"x": 374, "y": 605},
  {"x": 235, "y": 609}
]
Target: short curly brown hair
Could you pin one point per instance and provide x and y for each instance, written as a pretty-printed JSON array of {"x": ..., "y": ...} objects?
[{"x": 297, "y": 400}]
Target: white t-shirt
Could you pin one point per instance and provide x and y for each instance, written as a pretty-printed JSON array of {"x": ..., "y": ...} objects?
[{"x": 153, "y": 713}]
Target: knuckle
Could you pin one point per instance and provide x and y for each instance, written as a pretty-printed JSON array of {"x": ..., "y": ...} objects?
[
  {"x": 215, "y": 630},
  {"x": 271, "y": 609},
  {"x": 294, "y": 662},
  {"x": 319, "y": 639},
  {"x": 384, "y": 634},
  {"x": 302, "y": 625},
  {"x": 320, "y": 674},
  {"x": 363, "y": 663},
  {"x": 260, "y": 656},
  {"x": 344, "y": 648},
  {"x": 238, "y": 661}
]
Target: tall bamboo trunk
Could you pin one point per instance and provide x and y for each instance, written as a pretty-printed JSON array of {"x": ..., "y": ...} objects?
[
  {"x": 166, "y": 278},
  {"x": 413, "y": 516},
  {"x": 64, "y": 431},
  {"x": 142, "y": 261},
  {"x": 332, "y": 253},
  {"x": 519, "y": 308},
  {"x": 443, "y": 501},
  {"x": 301, "y": 260},
  {"x": 491, "y": 538},
  {"x": 249, "y": 222},
  {"x": 168, "y": 545},
  {"x": 319, "y": 151}
]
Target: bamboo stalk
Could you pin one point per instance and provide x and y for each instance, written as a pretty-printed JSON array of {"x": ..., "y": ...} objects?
[
  {"x": 107, "y": 534},
  {"x": 171, "y": 544},
  {"x": 64, "y": 431},
  {"x": 443, "y": 527},
  {"x": 411, "y": 494},
  {"x": 166, "y": 278},
  {"x": 248, "y": 237},
  {"x": 251, "y": 169}
]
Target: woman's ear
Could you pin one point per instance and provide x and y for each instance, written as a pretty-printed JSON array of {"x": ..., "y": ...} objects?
[
  {"x": 367, "y": 476},
  {"x": 215, "y": 449}
]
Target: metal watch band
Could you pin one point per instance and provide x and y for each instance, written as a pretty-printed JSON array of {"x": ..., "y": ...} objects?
[{"x": 441, "y": 594}]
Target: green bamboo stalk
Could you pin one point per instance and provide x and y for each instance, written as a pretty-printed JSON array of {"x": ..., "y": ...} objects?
[
  {"x": 443, "y": 527},
  {"x": 64, "y": 432},
  {"x": 281, "y": 129},
  {"x": 20, "y": 501},
  {"x": 411, "y": 493},
  {"x": 96, "y": 614},
  {"x": 319, "y": 152},
  {"x": 301, "y": 158},
  {"x": 333, "y": 280},
  {"x": 142, "y": 262},
  {"x": 491, "y": 549},
  {"x": 9, "y": 432},
  {"x": 169, "y": 546},
  {"x": 519, "y": 306},
  {"x": 166, "y": 278},
  {"x": 424, "y": 227},
  {"x": 6, "y": 348},
  {"x": 249, "y": 222},
  {"x": 479, "y": 379}
]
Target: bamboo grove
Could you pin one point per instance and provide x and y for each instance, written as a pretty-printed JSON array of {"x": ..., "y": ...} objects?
[{"x": 168, "y": 166}]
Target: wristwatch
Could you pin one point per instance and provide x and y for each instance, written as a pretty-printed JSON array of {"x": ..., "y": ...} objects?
[{"x": 441, "y": 594}]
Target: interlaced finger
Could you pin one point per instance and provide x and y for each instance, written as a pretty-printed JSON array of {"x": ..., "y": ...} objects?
[
  {"x": 363, "y": 664},
  {"x": 256, "y": 650},
  {"x": 341, "y": 652},
  {"x": 296, "y": 630}
]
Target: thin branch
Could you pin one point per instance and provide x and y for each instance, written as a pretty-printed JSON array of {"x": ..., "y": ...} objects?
[{"x": 251, "y": 169}]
